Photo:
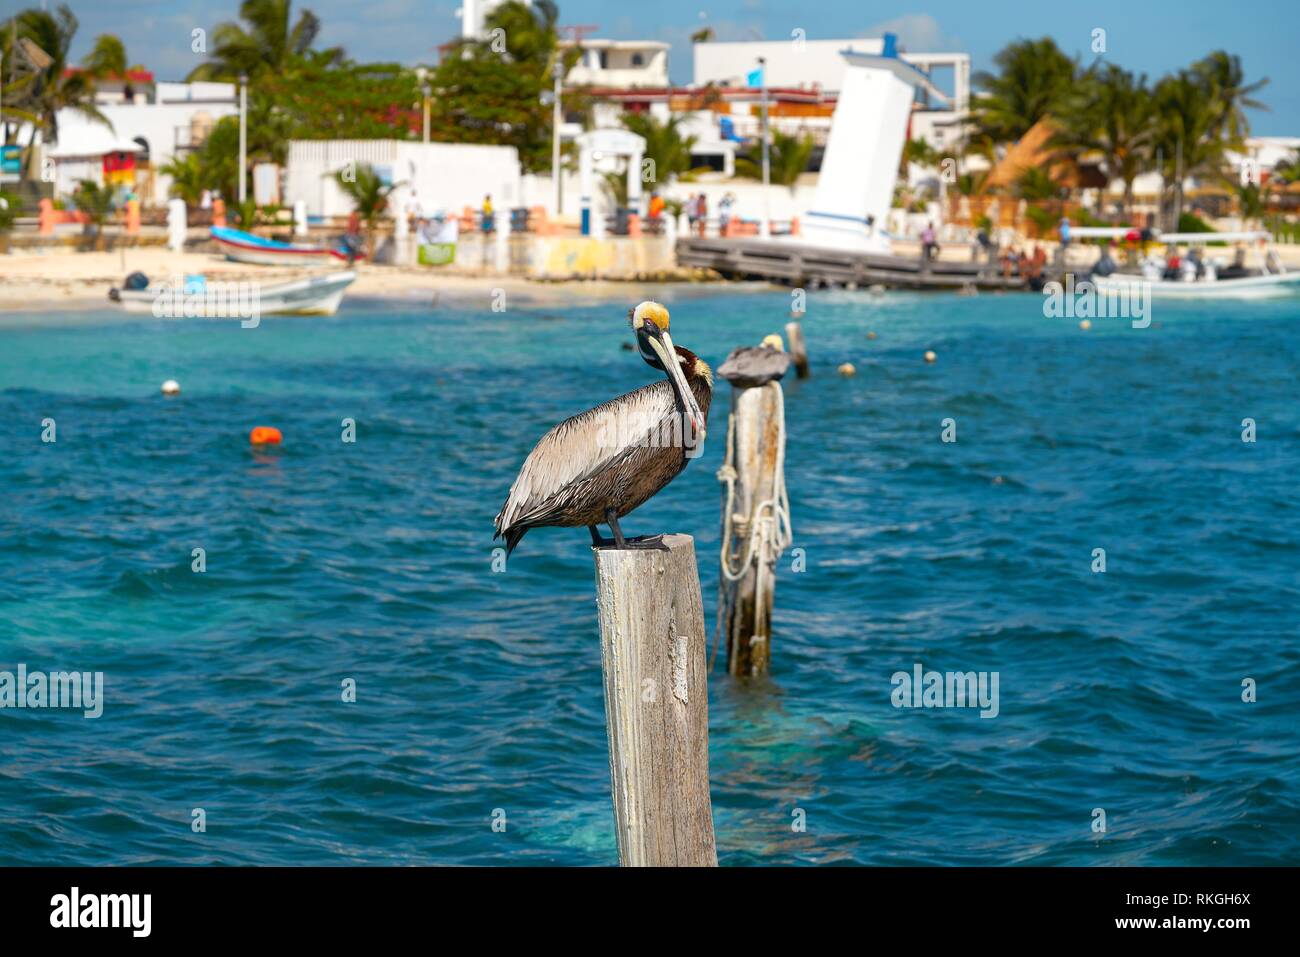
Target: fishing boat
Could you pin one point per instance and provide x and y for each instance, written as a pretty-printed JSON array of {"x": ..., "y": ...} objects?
[
  {"x": 1199, "y": 275},
  {"x": 196, "y": 297},
  {"x": 243, "y": 247}
]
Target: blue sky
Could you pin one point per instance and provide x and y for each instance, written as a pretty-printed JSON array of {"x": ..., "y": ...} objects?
[{"x": 1142, "y": 35}]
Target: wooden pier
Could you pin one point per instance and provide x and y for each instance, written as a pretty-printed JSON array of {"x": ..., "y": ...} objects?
[{"x": 794, "y": 264}]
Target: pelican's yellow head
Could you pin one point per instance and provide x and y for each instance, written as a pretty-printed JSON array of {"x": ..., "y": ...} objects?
[
  {"x": 650, "y": 323},
  {"x": 649, "y": 312}
]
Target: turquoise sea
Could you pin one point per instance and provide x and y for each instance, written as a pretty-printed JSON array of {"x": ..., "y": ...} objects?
[{"x": 478, "y": 691}]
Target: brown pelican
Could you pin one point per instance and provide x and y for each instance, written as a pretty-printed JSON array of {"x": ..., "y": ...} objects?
[{"x": 597, "y": 466}]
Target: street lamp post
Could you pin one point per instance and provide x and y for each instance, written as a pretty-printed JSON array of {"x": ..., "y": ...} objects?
[
  {"x": 421, "y": 77},
  {"x": 425, "y": 90},
  {"x": 557, "y": 115},
  {"x": 243, "y": 138},
  {"x": 765, "y": 227}
]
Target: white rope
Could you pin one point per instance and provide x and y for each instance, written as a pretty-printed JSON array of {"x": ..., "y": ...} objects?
[{"x": 766, "y": 533}]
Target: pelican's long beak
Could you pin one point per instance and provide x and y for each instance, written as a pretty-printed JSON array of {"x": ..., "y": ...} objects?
[{"x": 662, "y": 344}]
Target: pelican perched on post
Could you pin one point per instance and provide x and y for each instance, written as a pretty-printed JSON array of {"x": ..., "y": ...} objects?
[{"x": 594, "y": 468}]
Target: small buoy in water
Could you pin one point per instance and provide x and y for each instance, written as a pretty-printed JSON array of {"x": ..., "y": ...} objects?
[
  {"x": 171, "y": 387},
  {"x": 847, "y": 370},
  {"x": 627, "y": 347},
  {"x": 773, "y": 341},
  {"x": 929, "y": 355},
  {"x": 871, "y": 335},
  {"x": 264, "y": 435},
  {"x": 1085, "y": 324},
  {"x": 997, "y": 480}
]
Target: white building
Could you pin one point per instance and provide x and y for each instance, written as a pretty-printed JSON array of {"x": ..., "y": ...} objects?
[
  {"x": 177, "y": 121},
  {"x": 816, "y": 65},
  {"x": 440, "y": 177},
  {"x": 624, "y": 64}
]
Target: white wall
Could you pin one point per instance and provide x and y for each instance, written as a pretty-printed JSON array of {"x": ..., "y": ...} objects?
[{"x": 445, "y": 176}]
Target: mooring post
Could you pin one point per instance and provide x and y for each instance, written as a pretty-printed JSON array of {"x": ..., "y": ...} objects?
[
  {"x": 656, "y": 703},
  {"x": 798, "y": 351}
]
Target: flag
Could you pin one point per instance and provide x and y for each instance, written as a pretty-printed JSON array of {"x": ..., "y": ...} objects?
[{"x": 755, "y": 77}]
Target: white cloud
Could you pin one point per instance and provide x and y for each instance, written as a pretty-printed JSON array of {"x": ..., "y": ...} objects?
[{"x": 918, "y": 32}]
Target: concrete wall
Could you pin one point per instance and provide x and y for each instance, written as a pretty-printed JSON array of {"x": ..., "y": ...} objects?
[{"x": 442, "y": 176}]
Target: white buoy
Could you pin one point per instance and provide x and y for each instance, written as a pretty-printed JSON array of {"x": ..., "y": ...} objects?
[
  {"x": 171, "y": 387},
  {"x": 929, "y": 355},
  {"x": 846, "y": 369}
]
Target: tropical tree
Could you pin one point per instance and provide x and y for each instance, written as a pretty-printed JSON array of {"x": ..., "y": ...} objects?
[
  {"x": 106, "y": 58},
  {"x": 9, "y": 205},
  {"x": 369, "y": 195},
  {"x": 271, "y": 43},
  {"x": 614, "y": 184},
  {"x": 1034, "y": 79},
  {"x": 96, "y": 202},
  {"x": 787, "y": 155},
  {"x": 186, "y": 174},
  {"x": 1189, "y": 120},
  {"x": 490, "y": 90},
  {"x": 665, "y": 145},
  {"x": 1223, "y": 76},
  {"x": 920, "y": 152},
  {"x": 1113, "y": 112},
  {"x": 54, "y": 86}
]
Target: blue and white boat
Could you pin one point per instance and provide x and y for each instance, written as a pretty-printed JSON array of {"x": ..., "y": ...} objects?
[{"x": 242, "y": 247}]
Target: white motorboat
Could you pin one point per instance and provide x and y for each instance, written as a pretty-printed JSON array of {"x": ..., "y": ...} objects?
[
  {"x": 196, "y": 297},
  {"x": 1200, "y": 275}
]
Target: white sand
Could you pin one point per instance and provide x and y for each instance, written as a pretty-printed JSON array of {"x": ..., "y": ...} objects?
[{"x": 53, "y": 280}]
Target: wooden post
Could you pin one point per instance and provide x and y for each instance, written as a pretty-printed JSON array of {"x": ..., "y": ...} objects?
[
  {"x": 798, "y": 352},
  {"x": 757, "y": 437},
  {"x": 656, "y": 703}
]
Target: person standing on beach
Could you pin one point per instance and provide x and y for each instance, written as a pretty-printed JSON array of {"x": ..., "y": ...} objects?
[
  {"x": 928, "y": 246},
  {"x": 702, "y": 211},
  {"x": 487, "y": 213}
]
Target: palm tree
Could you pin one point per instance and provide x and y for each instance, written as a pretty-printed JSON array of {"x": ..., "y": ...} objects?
[
  {"x": 186, "y": 173},
  {"x": 787, "y": 155},
  {"x": 271, "y": 43},
  {"x": 108, "y": 58},
  {"x": 54, "y": 87},
  {"x": 1189, "y": 118},
  {"x": 1113, "y": 113},
  {"x": 665, "y": 145},
  {"x": 96, "y": 202},
  {"x": 1223, "y": 75},
  {"x": 1034, "y": 80},
  {"x": 369, "y": 195}
]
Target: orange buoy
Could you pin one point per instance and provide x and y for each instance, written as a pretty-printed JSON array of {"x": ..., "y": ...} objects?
[{"x": 264, "y": 435}]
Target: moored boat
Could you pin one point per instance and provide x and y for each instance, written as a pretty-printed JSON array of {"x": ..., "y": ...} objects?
[
  {"x": 195, "y": 298},
  {"x": 243, "y": 247}
]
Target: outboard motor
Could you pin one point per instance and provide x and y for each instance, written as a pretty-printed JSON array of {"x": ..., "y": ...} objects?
[{"x": 136, "y": 282}]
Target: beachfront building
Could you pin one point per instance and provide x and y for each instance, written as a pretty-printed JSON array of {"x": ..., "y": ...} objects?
[
  {"x": 816, "y": 69},
  {"x": 618, "y": 64},
  {"x": 432, "y": 178},
  {"x": 157, "y": 122}
]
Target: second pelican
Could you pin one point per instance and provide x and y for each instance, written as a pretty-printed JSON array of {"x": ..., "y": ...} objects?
[{"x": 594, "y": 468}]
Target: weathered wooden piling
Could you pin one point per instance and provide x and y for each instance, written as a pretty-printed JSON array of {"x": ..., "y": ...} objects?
[
  {"x": 656, "y": 703},
  {"x": 755, "y": 510},
  {"x": 798, "y": 351}
]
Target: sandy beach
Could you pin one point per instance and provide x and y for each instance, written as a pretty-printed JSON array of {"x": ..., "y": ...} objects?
[{"x": 58, "y": 280}]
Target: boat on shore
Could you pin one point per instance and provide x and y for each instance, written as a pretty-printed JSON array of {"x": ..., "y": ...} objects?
[
  {"x": 242, "y": 247},
  {"x": 197, "y": 298}
]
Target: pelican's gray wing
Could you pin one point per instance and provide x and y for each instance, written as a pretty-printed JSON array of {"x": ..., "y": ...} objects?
[{"x": 583, "y": 446}]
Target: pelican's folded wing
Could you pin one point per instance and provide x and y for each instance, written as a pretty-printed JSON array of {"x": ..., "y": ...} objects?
[{"x": 583, "y": 446}]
